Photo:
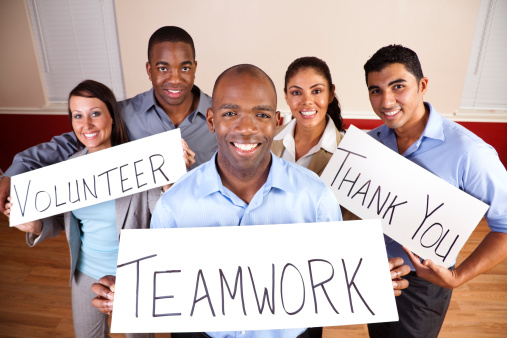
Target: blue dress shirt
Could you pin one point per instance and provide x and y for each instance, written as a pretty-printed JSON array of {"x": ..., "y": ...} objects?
[
  {"x": 142, "y": 117},
  {"x": 459, "y": 157},
  {"x": 291, "y": 194}
]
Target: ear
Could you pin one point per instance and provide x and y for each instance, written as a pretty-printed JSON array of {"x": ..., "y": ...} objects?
[
  {"x": 209, "y": 120},
  {"x": 148, "y": 69},
  {"x": 277, "y": 117},
  {"x": 195, "y": 66},
  {"x": 423, "y": 85}
]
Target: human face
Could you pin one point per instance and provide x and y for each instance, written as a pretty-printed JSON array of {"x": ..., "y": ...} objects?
[
  {"x": 91, "y": 121},
  {"x": 244, "y": 118},
  {"x": 397, "y": 97},
  {"x": 308, "y": 96},
  {"x": 172, "y": 72}
]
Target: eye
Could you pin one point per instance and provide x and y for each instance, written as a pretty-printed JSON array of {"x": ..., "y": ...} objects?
[
  {"x": 375, "y": 91},
  {"x": 398, "y": 86},
  {"x": 295, "y": 92},
  {"x": 229, "y": 113},
  {"x": 162, "y": 69},
  {"x": 263, "y": 115},
  {"x": 317, "y": 91},
  {"x": 185, "y": 69},
  {"x": 96, "y": 113},
  {"x": 76, "y": 116}
]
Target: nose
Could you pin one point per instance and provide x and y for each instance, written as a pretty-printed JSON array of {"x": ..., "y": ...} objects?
[
  {"x": 388, "y": 99},
  {"x": 88, "y": 122},
  {"x": 307, "y": 99},
  {"x": 247, "y": 125},
  {"x": 173, "y": 77}
]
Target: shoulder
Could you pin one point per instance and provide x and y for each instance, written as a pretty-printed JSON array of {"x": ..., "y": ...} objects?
[
  {"x": 79, "y": 153},
  {"x": 136, "y": 102}
]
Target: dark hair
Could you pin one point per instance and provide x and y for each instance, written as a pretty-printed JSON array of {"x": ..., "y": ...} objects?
[
  {"x": 170, "y": 34},
  {"x": 247, "y": 69},
  {"x": 94, "y": 89},
  {"x": 321, "y": 67},
  {"x": 388, "y": 55}
]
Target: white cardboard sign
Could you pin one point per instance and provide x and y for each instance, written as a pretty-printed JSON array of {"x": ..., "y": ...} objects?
[
  {"x": 98, "y": 177},
  {"x": 418, "y": 209},
  {"x": 252, "y": 278}
]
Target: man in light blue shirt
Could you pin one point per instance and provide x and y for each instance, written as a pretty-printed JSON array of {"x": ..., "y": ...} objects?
[
  {"x": 244, "y": 183},
  {"x": 415, "y": 130},
  {"x": 173, "y": 102}
]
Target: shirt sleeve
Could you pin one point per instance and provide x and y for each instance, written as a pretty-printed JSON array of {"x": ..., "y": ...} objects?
[
  {"x": 329, "y": 209},
  {"x": 485, "y": 178},
  {"x": 57, "y": 150},
  {"x": 162, "y": 216}
]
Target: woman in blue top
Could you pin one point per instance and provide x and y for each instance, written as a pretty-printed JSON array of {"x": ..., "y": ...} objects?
[{"x": 93, "y": 232}]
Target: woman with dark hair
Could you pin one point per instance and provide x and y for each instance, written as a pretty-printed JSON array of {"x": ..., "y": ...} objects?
[
  {"x": 93, "y": 232},
  {"x": 312, "y": 136}
]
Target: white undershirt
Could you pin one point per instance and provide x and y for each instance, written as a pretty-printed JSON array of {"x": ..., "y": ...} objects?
[{"x": 326, "y": 142}]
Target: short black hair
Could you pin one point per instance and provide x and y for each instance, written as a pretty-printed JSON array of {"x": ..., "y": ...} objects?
[
  {"x": 170, "y": 34},
  {"x": 245, "y": 69},
  {"x": 388, "y": 55},
  {"x": 94, "y": 89}
]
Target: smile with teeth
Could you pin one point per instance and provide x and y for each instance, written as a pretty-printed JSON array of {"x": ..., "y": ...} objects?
[
  {"x": 245, "y": 146},
  {"x": 391, "y": 113},
  {"x": 174, "y": 91},
  {"x": 308, "y": 112},
  {"x": 90, "y": 135}
]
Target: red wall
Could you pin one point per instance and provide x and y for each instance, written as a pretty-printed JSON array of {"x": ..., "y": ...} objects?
[{"x": 18, "y": 132}]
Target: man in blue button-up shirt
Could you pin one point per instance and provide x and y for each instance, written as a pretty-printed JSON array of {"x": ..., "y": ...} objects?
[
  {"x": 244, "y": 183},
  {"x": 415, "y": 130}
]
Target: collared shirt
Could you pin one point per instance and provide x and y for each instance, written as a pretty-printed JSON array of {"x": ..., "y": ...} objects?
[
  {"x": 459, "y": 157},
  {"x": 291, "y": 194},
  {"x": 326, "y": 142},
  {"x": 142, "y": 117}
]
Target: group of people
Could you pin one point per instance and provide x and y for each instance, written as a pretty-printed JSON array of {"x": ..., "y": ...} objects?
[{"x": 246, "y": 170}]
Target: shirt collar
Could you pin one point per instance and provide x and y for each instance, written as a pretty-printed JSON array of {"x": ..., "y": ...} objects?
[
  {"x": 326, "y": 142},
  {"x": 213, "y": 183}
]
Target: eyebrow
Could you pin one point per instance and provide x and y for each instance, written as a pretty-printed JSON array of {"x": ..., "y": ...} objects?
[
  {"x": 389, "y": 84},
  {"x": 163, "y": 63},
  {"x": 235, "y": 106},
  {"x": 312, "y": 86}
]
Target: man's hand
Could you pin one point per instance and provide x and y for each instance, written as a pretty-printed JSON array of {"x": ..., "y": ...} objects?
[
  {"x": 5, "y": 191},
  {"x": 432, "y": 272},
  {"x": 397, "y": 270},
  {"x": 188, "y": 154},
  {"x": 104, "y": 290}
]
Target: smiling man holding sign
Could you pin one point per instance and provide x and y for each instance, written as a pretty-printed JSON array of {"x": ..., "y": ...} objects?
[
  {"x": 244, "y": 184},
  {"x": 415, "y": 130}
]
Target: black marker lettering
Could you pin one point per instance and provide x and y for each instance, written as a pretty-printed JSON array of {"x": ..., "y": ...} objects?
[
  {"x": 377, "y": 193},
  {"x": 36, "y": 198},
  {"x": 360, "y": 191},
  {"x": 353, "y": 182},
  {"x": 77, "y": 193},
  {"x": 281, "y": 290},
  {"x": 265, "y": 297},
  {"x": 392, "y": 208},
  {"x": 56, "y": 199},
  {"x": 123, "y": 180},
  {"x": 239, "y": 277},
  {"x": 26, "y": 198},
  {"x": 427, "y": 215},
  {"x": 158, "y": 169},
  {"x": 137, "y": 175},
  {"x": 349, "y": 284},
  {"x": 85, "y": 187},
  {"x": 201, "y": 276},
  {"x": 155, "y": 297},
  {"x": 450, "y": 248},
  {"x": 321, "y": 284},
  {"x": 345, "y": 160}
]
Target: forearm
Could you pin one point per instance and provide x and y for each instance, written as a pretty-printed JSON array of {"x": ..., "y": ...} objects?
[
  {"x": 490, "y": 252},
  {"x": 58, "y": 149}
]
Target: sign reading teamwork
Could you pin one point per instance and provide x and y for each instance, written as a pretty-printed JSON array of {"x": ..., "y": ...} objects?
[
  {"x": 252, "y": 278},
  {"x": 418, "y": 209},
  {"x": 98, "y": 177}
]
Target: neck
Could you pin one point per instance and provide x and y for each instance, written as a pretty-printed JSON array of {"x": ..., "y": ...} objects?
[
  {"x": 307, "y": 138},
  {"x": 244, "y": 183},
  {"x": 411, "y": 132}
]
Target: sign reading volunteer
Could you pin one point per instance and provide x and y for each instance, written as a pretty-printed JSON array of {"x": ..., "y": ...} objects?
[
  {"x": 252, "y": 278},
  {"x": 98, "y": 177},
  {"x": 418, "y": 209}
]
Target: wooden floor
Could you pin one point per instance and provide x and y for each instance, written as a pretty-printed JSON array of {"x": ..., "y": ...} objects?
[{"x": 35, "y": 295}]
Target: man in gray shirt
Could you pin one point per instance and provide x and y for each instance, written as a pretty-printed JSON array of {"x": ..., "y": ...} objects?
[{"x": 173, "y": 102}]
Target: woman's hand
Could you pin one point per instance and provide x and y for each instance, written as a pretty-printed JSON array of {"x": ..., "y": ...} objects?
[
  {"x": 188, "y": 154},
  {"x": 34, "y": 227}
]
